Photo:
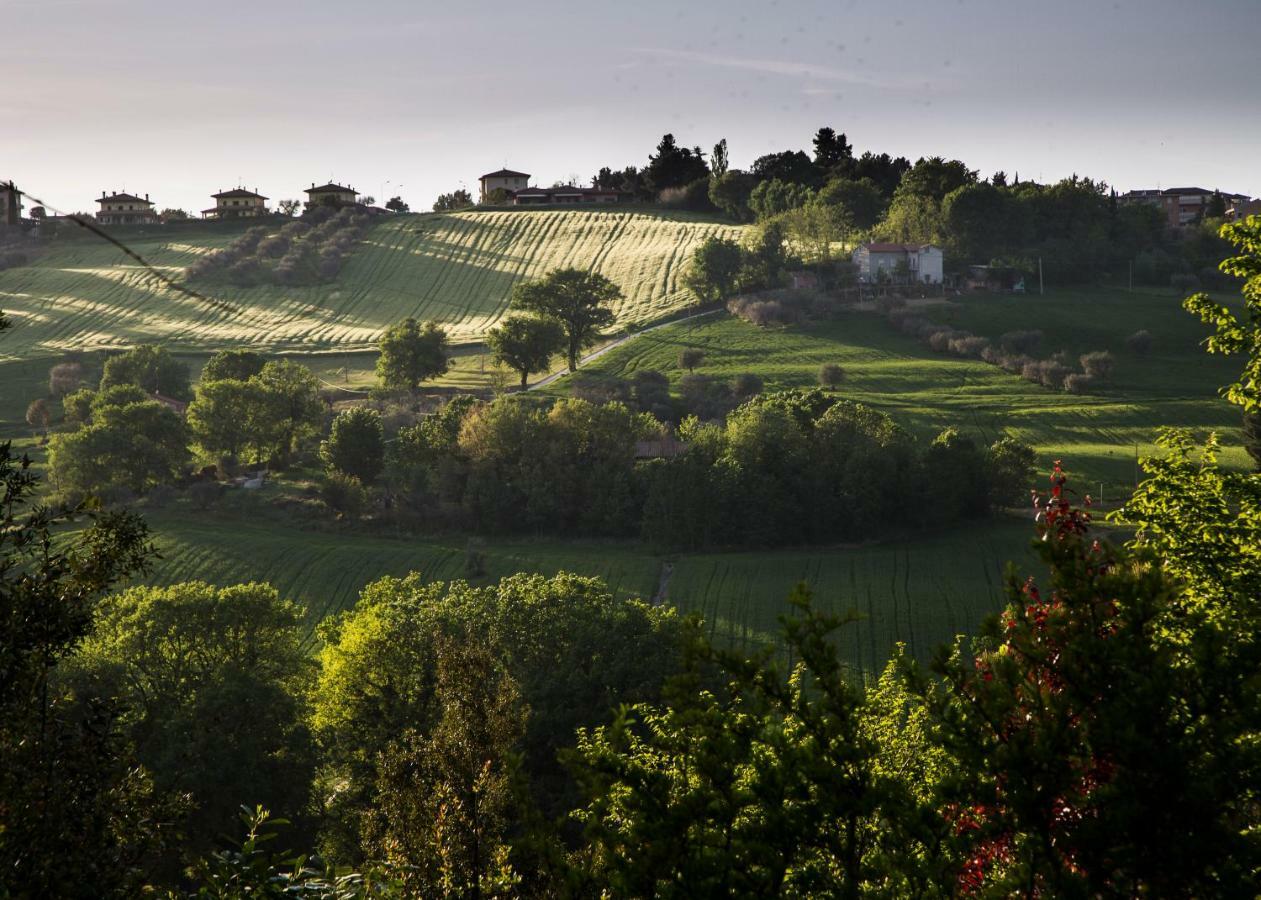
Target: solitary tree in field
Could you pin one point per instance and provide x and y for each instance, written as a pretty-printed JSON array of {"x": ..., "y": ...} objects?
[
  {"x": 718, "y": 159},
  {"x": 526, "y": 344},
  {"x": 412, "y": 353},
  {"x": 38, "y": 415},
  {"x": 398, "y": 205},
  {"x": 691, "y": 358},
  {"x": 580, "y": 301}
]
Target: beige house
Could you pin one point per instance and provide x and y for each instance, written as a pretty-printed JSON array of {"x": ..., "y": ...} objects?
[
  {"x": 10, "y": 203},
  {"x": 504, "y": 179},
  {"x": 330, "y": 195},
  {"x": 125, "y": 209},
  {"x": 237, "y": 203}
]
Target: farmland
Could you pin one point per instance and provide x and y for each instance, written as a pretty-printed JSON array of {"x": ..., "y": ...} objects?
[
  {"x": 921, "y": 591},
  {"x": 1097, "y": 435},
  {"x": 455, "y": 268}
]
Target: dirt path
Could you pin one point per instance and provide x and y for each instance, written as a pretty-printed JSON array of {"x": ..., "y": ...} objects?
[{"x": 556, "y": 376}]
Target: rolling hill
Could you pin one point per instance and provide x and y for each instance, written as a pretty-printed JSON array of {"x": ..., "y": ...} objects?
[{"x": 456, "y": 268}]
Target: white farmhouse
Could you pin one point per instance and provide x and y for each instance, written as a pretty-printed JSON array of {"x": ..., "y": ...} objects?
[{"x": 918, "y": 263}]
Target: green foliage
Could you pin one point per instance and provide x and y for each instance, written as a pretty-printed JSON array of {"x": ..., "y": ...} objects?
[
  {"x": 344, "y": 493},
  {"x": 861, "y": 200},
  {"x": 526, "y": 344},
  {"x": 356, "y": 444},
  {"x": 570, "y": 647},
  {"x": 446, "y": 796},
  {"x": 730, "y": 193},
  {"x": 1233, "y": 335},
  {"x": 133, "y": 445},
  {"x": 213, "y": 682},
  {"x": 715, "y": 267},
  {"x": 412, "y": 353},
  {"x": 457, "y": 199},
  {"x": 238, "y": 365},
  {"x": 151, "y": 368},
  {"x": 580, "y": 301},
  {"x": 78, "y": 817},
  {"x": 673, "y": 166},
  {"x": 1011, "y": 472},
  {"x": 767, "y": 784},
  {"x": 772, "y": 197},
  {"x": 229, "y": 415}
]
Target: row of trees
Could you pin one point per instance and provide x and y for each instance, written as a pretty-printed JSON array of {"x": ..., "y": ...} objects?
[{"x": 784, "y": 468}]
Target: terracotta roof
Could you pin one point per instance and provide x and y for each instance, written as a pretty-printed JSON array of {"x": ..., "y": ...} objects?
[
  {"x": 329, "y": 188},
  {"x": 1186, "y": 190},
  {"x": 123, "y": 198},
  {"x": 504, "y": 173},
  {"x": 237, "y": 192}
]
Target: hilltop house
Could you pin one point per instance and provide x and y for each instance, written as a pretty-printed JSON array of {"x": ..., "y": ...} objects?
[
  {"x": 564, "y": 194},
  {"x": 919, "y": 263},
  {"x": 10, "y": 204},
  {"x": 330, "y": 195},
  {"x": 125, "y": 209},
  {"x": 1180, "y": 205},
  {"x": 505, "y": 180},
  {"x": 237, "y": 203}
]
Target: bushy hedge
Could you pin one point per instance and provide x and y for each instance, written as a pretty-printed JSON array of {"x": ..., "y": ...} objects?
[{"x": 306, "y": 251}]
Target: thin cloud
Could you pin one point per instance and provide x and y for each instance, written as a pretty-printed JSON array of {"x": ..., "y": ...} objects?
[{"x": 785, "y": 68}]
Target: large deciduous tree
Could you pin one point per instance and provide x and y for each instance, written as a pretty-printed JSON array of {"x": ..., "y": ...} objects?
[
  {"x": 356, "y": 444},
  {"x": 412, "y": 353},
  {"x": 526, "y": 344},
  {"x": 580, "y": 301},
  {"x": 714, "y": 269},
  {"x": 151, "y": 368}
]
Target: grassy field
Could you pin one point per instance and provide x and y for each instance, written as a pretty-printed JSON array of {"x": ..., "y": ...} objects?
[
  {"x": 1097, "y": 435},
  {"x": 921, "y": 591},
  {"x": 456, "y": 268}
]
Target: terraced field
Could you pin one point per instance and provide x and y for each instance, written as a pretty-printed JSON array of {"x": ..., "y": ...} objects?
[{"x": 457, "y": 268}]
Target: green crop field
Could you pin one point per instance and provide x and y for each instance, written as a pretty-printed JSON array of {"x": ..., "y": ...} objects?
[
  {"x": 1097, "y": 435},
  {"x": 921, "y": 591},
  {"x": 455, "y": 268}
]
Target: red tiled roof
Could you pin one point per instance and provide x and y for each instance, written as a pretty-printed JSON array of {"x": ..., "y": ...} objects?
[
  {"x": 123, "y": 198},
  {"x": 237, "y": 192},
  {"x": 330, "y": 188},
  {"x": 504, "y": 173}
]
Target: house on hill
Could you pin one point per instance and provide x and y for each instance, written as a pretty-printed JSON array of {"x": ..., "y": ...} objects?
[
  {"x": 1181, "y": 206},
  {"x": 237, "y": 203},
  {"x": 918, "y": 263},
  {"x": 503, "y": 180},
  {"x": 330, "y": 194},
  {"x": 10, "y": 204},
  {"x": 125, "y": 209},
  {"x": 564, "y": 195}
]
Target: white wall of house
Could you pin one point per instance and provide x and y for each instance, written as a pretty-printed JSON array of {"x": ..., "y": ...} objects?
[
  {"x": 490, "y": 185},
  {"x": 925, "y": 263}
]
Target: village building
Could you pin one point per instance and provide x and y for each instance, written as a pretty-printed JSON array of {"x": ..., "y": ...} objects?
[
  {"x": 1241, "y": 209},
  {"x": 1181, "y": 206},
  {"x": 125, "y": 209},
  {"x": 237, "y": 203},
  {"x": 503, "y": 180},
  {"x": 330, "y": 194},
  {"x": 179, "y": 407},
  {"x": 10, "y": 204},
  {"x": 564, "y": 195},
  {"x": 905, "y": 263}
]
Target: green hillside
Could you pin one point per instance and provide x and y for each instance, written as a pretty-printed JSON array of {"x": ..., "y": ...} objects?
[
  {"x": 1097, "y": 434},
  {"x": 456, "y": 268}
]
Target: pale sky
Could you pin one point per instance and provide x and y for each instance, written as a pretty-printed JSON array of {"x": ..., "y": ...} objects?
[{"x": 181, "y": 98}]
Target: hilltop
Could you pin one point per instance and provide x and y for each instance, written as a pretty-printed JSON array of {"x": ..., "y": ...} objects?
[{"x": 457, "y": 268}]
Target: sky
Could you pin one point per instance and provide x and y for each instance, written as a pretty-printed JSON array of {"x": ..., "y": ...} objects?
[{"x": 182, "y": 98}]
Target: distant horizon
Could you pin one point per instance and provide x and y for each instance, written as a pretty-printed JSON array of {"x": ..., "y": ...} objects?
[{"x": 180, "y": 101}]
